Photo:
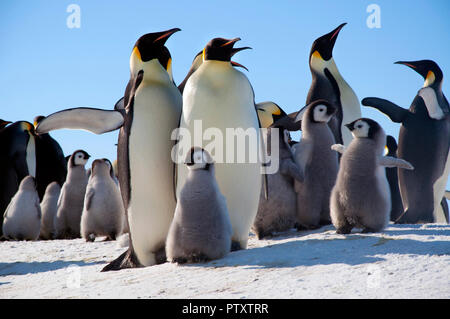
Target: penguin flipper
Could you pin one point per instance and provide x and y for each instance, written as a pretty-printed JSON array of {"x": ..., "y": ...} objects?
[
  {"x": 290, "y": 168},
  {"x": 338, "y": 148},
  {"x": 94, "y": 120},
  {"x": 444, "y": 206},
  {"x": 389, "y": 161},
  {"x": 396, "y": 113},
  {"x": 302, "y": 155}
]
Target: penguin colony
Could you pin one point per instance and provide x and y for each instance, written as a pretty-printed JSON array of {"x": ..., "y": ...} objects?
[{"x": 189, "y": 207}]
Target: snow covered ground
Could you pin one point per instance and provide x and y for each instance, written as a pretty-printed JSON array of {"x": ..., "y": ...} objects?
[{"x": 404, "y": 261}]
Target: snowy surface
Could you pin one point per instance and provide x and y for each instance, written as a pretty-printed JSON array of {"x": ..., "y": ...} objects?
[{"x": 404, "y": 261}]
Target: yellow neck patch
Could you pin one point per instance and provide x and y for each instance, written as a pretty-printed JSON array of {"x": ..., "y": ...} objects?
[
  {"x": 137, "y": 53},
  {"x": 317, "y": 55},
  {"x": 429, "y": 80},
  {"x": 203, "y": 54}
]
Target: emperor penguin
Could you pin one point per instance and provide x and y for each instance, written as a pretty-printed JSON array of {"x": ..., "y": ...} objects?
[
  {"x": 22, "y": 218},
  {"x": 201, "y": 228},
  {"x": 147, "y": 115},
  {"x": 318, "y": 164},
  {"x": 103, "y": 208},
  {"x": 51, "y": 164},
  {"x": 17, "y": 159},
  {"x": 392, "y": 177},
  {"x": 328, "y": 83},
  {"x": 278, "y": 212},
  {"x": 71, "y": 199},
  {"x": 220, "y": 99},
  {"x": 49, "y": 208},
  {"x": 361, "y": 197},
  {"x": 424, "y": 141}
]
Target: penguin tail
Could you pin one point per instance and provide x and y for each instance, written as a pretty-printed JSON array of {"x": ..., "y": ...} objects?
[{"x": 124, "y": 261}]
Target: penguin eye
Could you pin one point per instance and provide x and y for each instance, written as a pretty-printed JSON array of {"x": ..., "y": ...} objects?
[{"x": 359, "y": 126}]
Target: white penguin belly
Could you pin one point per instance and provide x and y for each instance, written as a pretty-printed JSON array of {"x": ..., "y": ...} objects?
[
  {"x": 225, "y": 100},
  {"x": 31, "y": 156},
  {"x": 438, "y": 193},
  {"x": 152, "y": 204}
]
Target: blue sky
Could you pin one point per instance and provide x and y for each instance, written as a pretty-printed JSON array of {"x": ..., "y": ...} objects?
[{"x": 46, "y": 67}]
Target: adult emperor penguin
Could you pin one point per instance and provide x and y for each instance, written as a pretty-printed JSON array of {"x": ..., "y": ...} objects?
[
  {"x": 424, "y": 141},
  {"x": 362, "y": 173},
  {"x": 219, "y": 97},
  {"x": 328, "y": 83},
  {"x": 23, "y": 215},
  {"x": 146, "y": 116},
  {"x": 71, "y": 199},
  {"x": 318, "y": 164},
  {"x": 17, "y": 159},
  {"x": 392, "y": 177},
  {"x": 201, "y": 229},
  {"x": 51, "y": 164},
  {"x": 49, "y": 208},
  {"x": 103, "y": 208}
]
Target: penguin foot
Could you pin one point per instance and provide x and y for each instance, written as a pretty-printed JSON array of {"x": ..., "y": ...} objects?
[
  {"x": 124, "y": 261},
  {"x": 199, "y": 258},
  {"x": 235, "y": 246},
  {"x": 179, "y": 260},
  {"x": 90, "y": 238}
]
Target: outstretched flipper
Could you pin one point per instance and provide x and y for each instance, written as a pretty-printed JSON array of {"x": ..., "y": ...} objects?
[
  {"x": 94, "y": 120},
  {"x": 396, "y": 113},
  {"x": 338, "y": 148},
  {"x": 389, "y": 161}
]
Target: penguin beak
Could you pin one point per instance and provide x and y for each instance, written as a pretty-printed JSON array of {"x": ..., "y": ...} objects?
[
  {"x": 166, "y": 35},
  {"x": 231, "y": 42},
  {"x": 335, "y": 32},
  {"x": 87, "y": 156},
  {"x": 233, "y": 52},
  {"x": 238, "y": 65},
  {"x": 350, "y": 126},
  {"x": 416, "y": 67},
  {"x": 236, "y": 50}
]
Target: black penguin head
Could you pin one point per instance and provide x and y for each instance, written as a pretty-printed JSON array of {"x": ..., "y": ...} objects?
[
  {"x": 150, "y": 47},
  {"x": 220, "y": 49},
  {"x": 3, "y": 123},
  {"x": 364, "y": 128},
  {"x": 37, "y": 120},
  {"x": 270, "y": 114},
  {"x": 197, "y": 158},
  {"x": 322, "y": 47},
  {"x": 430, "y": 71},
  {"x": 318, "y": 111},
  {"x": 79, "y": 158}
]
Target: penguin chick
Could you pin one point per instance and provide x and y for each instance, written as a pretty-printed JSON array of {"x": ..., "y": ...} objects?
[
  {"x": 201, "y": 228},
  {"x": 49, "y": 207},
  {"x": 318, "y": 163},
  {"x": 361, "y": 197},
  {"x": 103, "y": 210},
  {"x": 278, "y": 212},
  {"x": 71, "y": 200},
  {"x": 22, "y": 218}
]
